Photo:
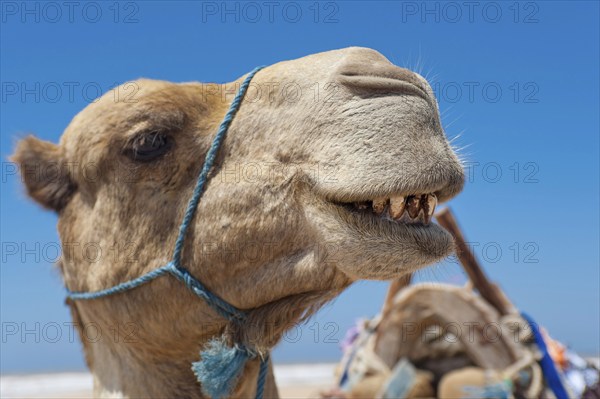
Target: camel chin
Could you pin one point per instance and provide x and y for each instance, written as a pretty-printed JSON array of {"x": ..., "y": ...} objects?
[{"x": 371, "y": 246}]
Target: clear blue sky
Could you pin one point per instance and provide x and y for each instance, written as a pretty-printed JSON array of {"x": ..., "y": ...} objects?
[{"x": 520, "y": 83}]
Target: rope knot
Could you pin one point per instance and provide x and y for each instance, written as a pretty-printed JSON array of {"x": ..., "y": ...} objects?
[{"x": 220, "y": 367}]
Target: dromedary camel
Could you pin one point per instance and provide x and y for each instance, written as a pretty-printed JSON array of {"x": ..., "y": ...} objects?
[{"x": 329, "y": 174}]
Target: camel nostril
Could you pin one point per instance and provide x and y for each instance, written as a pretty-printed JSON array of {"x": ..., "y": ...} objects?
[{"x": 379, "y": 77}]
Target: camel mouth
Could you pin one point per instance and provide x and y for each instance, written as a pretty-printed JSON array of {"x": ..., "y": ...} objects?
[
  {"x": 393, "y": 221},
  {"x": 415, "y": 209}
]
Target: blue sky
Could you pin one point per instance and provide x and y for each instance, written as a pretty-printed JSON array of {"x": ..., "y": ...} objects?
[{"x": 518, "y": 81}]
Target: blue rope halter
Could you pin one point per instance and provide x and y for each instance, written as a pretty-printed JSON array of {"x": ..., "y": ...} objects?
[{"x": 220, "y": 365}]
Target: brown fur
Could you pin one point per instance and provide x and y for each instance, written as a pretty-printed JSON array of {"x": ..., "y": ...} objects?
[{"x": 271, "y": 242}]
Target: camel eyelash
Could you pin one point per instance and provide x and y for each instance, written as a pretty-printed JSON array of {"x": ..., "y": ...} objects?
[{"x": 148, "y": 146}]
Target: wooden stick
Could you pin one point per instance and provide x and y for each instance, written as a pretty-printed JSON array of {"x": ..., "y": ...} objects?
[
  {"x": 395, "y": 286},
  {"x": 487, "y": 290}
]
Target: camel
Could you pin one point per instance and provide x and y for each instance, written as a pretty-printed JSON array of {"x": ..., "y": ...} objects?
[{"x": 329, "y": 174}]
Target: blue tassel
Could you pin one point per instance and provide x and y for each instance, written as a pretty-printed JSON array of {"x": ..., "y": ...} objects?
[{"x": 220, "y": 367}]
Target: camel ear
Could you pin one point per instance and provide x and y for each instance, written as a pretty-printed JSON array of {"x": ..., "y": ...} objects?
[{"x": 44, "y": 172}]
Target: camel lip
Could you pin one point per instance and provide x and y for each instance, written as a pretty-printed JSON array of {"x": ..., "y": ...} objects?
[{"x": 444, "y": 185}]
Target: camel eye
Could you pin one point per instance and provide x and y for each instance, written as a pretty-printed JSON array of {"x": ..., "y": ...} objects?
[{"x": 148, "y": 146}]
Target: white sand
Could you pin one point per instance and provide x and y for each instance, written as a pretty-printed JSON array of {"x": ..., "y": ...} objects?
[{"x": 293, "y": 380}]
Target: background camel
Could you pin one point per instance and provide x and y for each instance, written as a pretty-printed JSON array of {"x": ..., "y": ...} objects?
[{"x": 342, "y": 188}]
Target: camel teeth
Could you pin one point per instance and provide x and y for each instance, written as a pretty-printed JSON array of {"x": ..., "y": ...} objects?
[
  {"x": 412, "y": 209},
  {"x": 379, "y": 205},
  {"x": 413, "y": 206},
  {"x": 361, "y": 206},
  {"x": 397, "y": 206},
  {"x": 429, "y": 207}
]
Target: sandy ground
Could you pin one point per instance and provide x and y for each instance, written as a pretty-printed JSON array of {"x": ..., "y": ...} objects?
[{"x": 294, "y": 381}]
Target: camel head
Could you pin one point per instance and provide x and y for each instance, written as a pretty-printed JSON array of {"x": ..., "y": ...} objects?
[{"x": 329, "y": 174}]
